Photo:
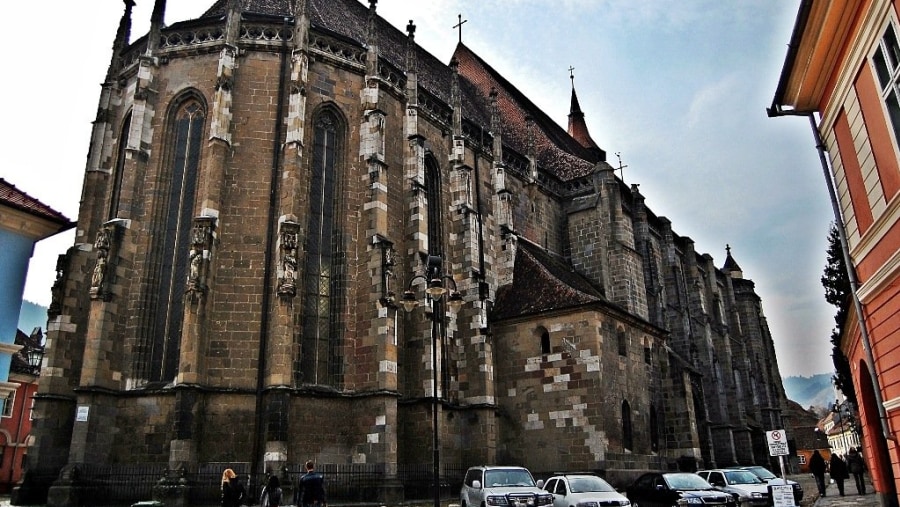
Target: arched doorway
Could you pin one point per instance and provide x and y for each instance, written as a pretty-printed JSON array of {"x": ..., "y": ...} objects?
[{"x": 874, "y": 441}]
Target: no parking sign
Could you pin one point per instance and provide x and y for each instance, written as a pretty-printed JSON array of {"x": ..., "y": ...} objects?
[{"x": 778, "y": 445}]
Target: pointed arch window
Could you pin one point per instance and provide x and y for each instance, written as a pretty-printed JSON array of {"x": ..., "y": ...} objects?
[
  {"x": 320, "y": 343},
  {"x": 433, "y": 196},
  {"x": 179, "y": 188},
  {"x": 627, "y": 430},
  {"x": 116, "y": 191}
]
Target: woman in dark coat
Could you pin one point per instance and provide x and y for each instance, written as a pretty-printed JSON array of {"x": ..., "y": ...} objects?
[
  {"x": 838, "y": 471},
  {"x": 232, "y": 490}
]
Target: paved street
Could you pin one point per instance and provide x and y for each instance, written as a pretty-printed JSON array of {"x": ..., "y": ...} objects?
[{"x": 810, "y": 498}]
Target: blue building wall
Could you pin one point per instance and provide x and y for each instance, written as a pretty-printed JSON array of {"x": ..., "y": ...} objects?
[{"x": 15, "y": 254}]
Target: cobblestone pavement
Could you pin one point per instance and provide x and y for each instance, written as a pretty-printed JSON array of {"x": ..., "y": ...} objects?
[{"x": 811, "y": 497}]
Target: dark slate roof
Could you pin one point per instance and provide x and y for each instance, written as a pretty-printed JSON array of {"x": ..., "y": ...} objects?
[
  {"x": 558, "y": 153},
  {"x": 542, "y": 282},
  {"x": 15, "y": 198},
  {"x": 350, "y": 19}
]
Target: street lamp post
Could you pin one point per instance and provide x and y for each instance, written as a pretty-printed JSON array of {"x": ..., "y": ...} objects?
[{"x": 436, "y": 291}]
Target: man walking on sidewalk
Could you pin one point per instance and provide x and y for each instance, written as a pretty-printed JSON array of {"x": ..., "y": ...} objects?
[
  {"x": 817, "y": 468},
  {"x": 857, "y": 467}
]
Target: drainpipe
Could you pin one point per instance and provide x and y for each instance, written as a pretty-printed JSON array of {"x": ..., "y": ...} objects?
[{"x": 851, "y": 271}]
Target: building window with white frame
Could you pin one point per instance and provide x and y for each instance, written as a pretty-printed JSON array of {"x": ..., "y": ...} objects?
[
  {"x": 886, "y": 61},
  {"x": 8, "y": 405}
]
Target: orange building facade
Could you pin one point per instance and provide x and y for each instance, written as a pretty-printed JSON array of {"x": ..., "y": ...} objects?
[{"x": 842, "y": 72}]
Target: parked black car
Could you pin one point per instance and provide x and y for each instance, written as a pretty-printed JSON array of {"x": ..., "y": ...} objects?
[{"x": 657, "y": 489}]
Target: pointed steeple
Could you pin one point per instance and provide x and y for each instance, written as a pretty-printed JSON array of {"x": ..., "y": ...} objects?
[
  {"x": 577, "y": 127},
  {"x": 731, "y": 266}
]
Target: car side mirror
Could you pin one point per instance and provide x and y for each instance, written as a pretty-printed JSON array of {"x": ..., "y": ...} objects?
[
  {"x": 660, "y": 487},
  {"x": 540, "y": 483},
  {"x": 476, "y": 484}
]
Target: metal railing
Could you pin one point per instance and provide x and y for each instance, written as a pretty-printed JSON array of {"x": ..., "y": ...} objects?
[{"x": 125, "y": 484}]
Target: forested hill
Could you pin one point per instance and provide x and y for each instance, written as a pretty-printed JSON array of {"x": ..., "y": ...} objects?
[{"x": 816, "y": 390}]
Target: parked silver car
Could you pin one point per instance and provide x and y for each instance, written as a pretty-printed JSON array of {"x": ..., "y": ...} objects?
[
  {"x": 748, "y": 489},
  {"x": 583, "y": 490},
  {"x": 506, "y": 486},
  {"x": 772, "y": 479}
]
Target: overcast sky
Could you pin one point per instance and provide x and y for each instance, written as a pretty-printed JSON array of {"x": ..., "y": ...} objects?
[{"x": 679, "y": 89}]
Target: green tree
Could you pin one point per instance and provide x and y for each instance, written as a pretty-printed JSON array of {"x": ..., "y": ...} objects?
[{"x": 837, "y": 293}]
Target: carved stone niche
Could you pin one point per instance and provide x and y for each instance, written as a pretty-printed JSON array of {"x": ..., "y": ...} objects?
[
  {"x": 106, "y": 245},
  {"x": 202, "y": 235},
  {"x": 388, "y": 262},
  {"x": 287, "y": 259}
]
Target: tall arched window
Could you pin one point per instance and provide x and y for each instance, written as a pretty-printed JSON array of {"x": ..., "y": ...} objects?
[
  {"x": 178, "y": 192},
  {"x": 118, "y": 172},
  {"x": 654, "y": 430},
  {"x": 627, "y": 430},
  {"x": 436, "y": 247},
  {"x": 433, "y": 195},
  {"x": 320, "y": 342}
]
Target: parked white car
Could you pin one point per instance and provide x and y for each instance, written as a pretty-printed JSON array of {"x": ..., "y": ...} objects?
[
  {"x": 748, "y": 489},
  {"x": 583, "y": 490}
]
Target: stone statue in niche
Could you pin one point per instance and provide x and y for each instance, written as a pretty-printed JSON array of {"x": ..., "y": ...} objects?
[
  {"x": 198, "y": 258},
  {"x": 287, "y": 283},
  {"x": 98, "y": 276}
]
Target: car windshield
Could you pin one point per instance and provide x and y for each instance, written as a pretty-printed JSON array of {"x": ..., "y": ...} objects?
[
  {"x": 742, "y": 477},
  {"x": 763, "y": 473},
  {"x": 684, "y": 482},
  {"x": 499, "y": 478},
  {"x": 589, "y": 484}
]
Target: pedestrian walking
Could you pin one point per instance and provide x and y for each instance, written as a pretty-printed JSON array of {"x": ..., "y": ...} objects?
[
  {"x": 817, "y": 467},
  {"x": 310, "y": 490},
  {"x": 837, "y": 469},
  {"x": 857, "y": 467},
  {"x": 233, "y": 492},
  {"x": 271, "y": 493}
]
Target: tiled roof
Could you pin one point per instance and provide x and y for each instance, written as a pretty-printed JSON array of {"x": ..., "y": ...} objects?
[
  {"x": 15, "y": 198},
  {"x": 542, "y": 282},
  {"x": 557, "y": 152}
]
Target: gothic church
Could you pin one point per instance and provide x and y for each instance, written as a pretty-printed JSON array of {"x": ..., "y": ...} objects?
[{"x": 268, "y": 185}]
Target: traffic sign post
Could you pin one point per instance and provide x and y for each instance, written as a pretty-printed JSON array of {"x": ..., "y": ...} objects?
[{"x": 782, "y": 495}]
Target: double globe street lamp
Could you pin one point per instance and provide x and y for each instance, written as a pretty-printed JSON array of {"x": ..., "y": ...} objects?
[{"x": 436, "y": 292}]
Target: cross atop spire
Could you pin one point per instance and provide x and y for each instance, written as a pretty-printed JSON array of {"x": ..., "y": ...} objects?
[
  {"x": 572, "y": 75},
  {"x": 459, "y": 25}
]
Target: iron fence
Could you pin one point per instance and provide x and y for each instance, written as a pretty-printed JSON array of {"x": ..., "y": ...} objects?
[{"x": 125, "y": 484}]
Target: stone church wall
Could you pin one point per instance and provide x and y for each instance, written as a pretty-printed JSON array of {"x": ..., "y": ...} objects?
[{"x": 568, "y": 404}]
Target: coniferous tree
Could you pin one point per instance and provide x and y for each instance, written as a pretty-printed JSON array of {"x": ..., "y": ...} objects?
[{"x": 837, "y": 293}]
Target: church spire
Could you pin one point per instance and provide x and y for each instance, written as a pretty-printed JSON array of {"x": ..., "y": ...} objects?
[
  {"x": 731, "y": 266},
  {"x": 577, "y": 127}
]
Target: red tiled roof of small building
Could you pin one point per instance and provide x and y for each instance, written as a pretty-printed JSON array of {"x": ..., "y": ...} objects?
[{"x": 15, "y": 198}]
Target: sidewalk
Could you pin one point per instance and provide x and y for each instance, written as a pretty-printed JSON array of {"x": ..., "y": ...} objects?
[{"x": 811, "y": 497}]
